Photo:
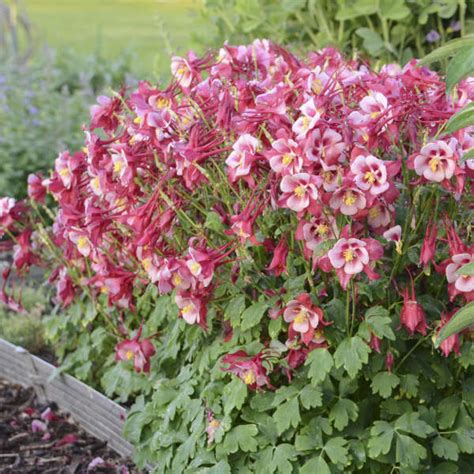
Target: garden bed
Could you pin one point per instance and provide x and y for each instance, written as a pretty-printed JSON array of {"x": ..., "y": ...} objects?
[{"x": 36, "y": 437}]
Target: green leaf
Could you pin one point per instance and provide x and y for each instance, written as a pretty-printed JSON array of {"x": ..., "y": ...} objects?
[
  {"x": 274, "y": 327},
  {"x": 351, "y": 354},
  {"x": 464, "y": 438},
  {"x": 241, "y": 437},
  {"x": 222, "y": 467},
  {"x": 409, "y": 385},
  {"x": 409, "y": 452},
  {"x": 450, "y": 48},
  {"x": 411, "y": 423},
  {"x": 287, "y": 414},
  {"x": 234, "y": 309},
  {"x": 380, "y": 441},
  {"x": 315, "y": 465},
  {"x": 393, "y": 9},
  {"x": 447, "y": 410},
  {"x": 372, "y": 41},
  {"x": 462, "y": 119},
  {"x": 213, "y": 221},
  {"x": 321, "y": 363},
  {"x": 468, "y": 155},
  {"x": 282, "y": 455},
  {"x": 445, "y": 448},
  {"x": 378, "y": 318},
  {"x": 384, "y": 383},
  {"x": 459, "y": 67},
  {"x": 343, "y": 411},
  {"x": 336, "y": 449},
  {"x": 253, "y": 314},
  {"x": 234, "y": 395},
  {"x": 349, "y": 9},
  {"x": 461, "y": 320},
  {"x": 311, "y": 397}
]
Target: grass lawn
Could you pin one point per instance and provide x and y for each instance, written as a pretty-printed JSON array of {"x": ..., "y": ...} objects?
[{"x": 151, "y": 29}]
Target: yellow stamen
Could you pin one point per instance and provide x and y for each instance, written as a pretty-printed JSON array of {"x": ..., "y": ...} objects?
[
  {"x": 327, "y": 176},
  {"x": 146, "y": 264},
  {"x": 188, "y": 308},
  {"x": 305, "y": 122},
  {"x": 195, "y": 267},
  {"x": 322, "y": 229},
  {"x": 162, "y": 102},
  {"x": 82, "y": 242},
  {"x": 64, "y": 172},
  {"x": 349, "y": 198},
  {"x": 374, "y": 115},
  {"x": 177, "y": 280},
  {"x": 317, "y": 86},
  {"x": 398, "y": 247},
  {"x": 434, "y": 163},
  {"x": 118, "y": 166},
  {"x": 374, "y": 212},
  {"x": 249, "y": 377},
  {"x": 129, "y": 355},
  {"x": 214, "y": 424},
  {"x": 369, "y": 177},
  {"x": 348, "y": 255},
  {"x": 300, "y": 318},
  {"x": 299, "y": 191},
  {"x": 287, "y": 158},
  {"x": 138, "y": 120}
]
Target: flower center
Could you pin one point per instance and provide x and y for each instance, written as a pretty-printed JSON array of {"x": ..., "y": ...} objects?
[
  {"x": 146, "y": 264},
  {"x": 129, "y": 355},
  {"x": 249, "y": 377},
  {"x": 374, "y": 115},
  {"x": 64, "y": 172},
  {"x": 118, "y": 165},
  {"x": 177, "y": 280},
  {"x": 305, "y": 122},
  {"x": 374, "y": 212},
  {"x": 299, "y": 191},
  {"x": 348, "y": 255},
  {"x": 301, "y": 317},
  {"x": 434, "y": 163},
  {"x": 327, "y": 176},
  {"x": 349, "y": 199},
  {"x": 369, "y": 177},
  {"x": 82, "y": 242},
  {"x": 188, "y": 308},
  {"x": 195, "y": 267},
  {"x": 287, "y": 159},
  {"x": 322, "y": 229},
  {"x": 214, "y": 424}
]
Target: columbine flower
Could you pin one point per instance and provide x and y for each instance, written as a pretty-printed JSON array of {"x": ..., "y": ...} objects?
[
  {"x": 394, "y": 234},
  {"x": 303, "y": 317},
  {"x": 249, "y": 369},
  {"x": 7, "y": 204},
  {"x": 326, "y": 146},
  {"x": 351, "y": 256},
  {"x": 181, "y": 71},
  {"x": 36, "y": 188},
  {"x": 240, "y": 161},
  {"x": 371, "y": 108},
  {"x": 310, "y": 116},
  {"x": 299, "y": 191},
  {"x": 435, "y": 162},
  {"x": 316, "y": 231},
  {"x": 428, "y": 249},
  {"x": 83, "y": 244},
  {"x": 285, "y": 158},
  {"x": 138, "y": 351},
  {"x": 192, "y": 309},
  {"x": 451, "y": 343},
  {"x": 278, "y": 264},
  {"x": 412, "y": 315},
  {"x": 461, "y": 283},
  {"x": 349, "y": 201},
  {"x": 370, "y": 174}
]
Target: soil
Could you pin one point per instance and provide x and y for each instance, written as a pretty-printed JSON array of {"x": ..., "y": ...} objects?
[{"x": 37, "y": 438}]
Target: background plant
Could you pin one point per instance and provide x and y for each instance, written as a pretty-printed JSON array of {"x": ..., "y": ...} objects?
[{"x": 382, "y": 29}]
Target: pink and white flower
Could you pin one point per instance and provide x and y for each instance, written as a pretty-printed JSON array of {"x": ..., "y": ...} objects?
[
  {"x": 240, "y": 161},
  {"x": 285, "y": 157},
  {"x": 394, "y": 234},
  {"x": 348, "y": 201},
  {"x": 310, "y": 116},
  {"x": 181, "y": 71},
  {"x": 462, "y": 283},
  {"x": 370, "y": 174},
  {"x": 299, "y": 191},
  {"x": 371, "y": 108},
  {"x": 326, "y": 146},
  {"x": 435, "y": 162}
]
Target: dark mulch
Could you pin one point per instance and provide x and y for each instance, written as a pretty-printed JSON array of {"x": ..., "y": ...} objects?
[{"x": 36, "y": 438}]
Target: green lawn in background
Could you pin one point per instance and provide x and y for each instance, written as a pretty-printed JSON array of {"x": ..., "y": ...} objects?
[{"x": 151, "y": 29}]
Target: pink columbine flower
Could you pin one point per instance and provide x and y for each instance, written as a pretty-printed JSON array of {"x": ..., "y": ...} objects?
[
  {"x": 451, "y": 343},
  {"x": 181, "y": 71},
  {"x": 303, "y": 317},
  {"x": 370, "y": 174},
  {"x": 7, "y": 204},
  {"x": 278, "y": 264},
  {"x": 138, "y": 351},
  {"x": 83, "y": 244},
  {"x": 285, "y": 158},
  {"x": 412, "y": 315},
  {"x": 351, "y": 256},
  {"x": 36, "y": 188},
  {"x": 371, "y": 108},
  {"x": 428, "y": 249},
  {"x": 249, "y": 369},
  {"x": 299, "y": 191},
  {"x": 317, "y": 230},
  {"x": 191, "y": 309},
  {"x": 240, "y": 161},
  {"x": 380, "y": 215},
  {"x": 349, "y": 201},
  {"x": 461, "y": 283},
  {"x": 435, "y": 162},
  {"x": 326, "y": 146},
  {"x": 309, "y": 117},
  {"x": 394, "y": 234}
]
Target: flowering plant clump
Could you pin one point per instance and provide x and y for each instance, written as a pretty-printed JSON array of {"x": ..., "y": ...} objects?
[{"x": 270, "y": 244}]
